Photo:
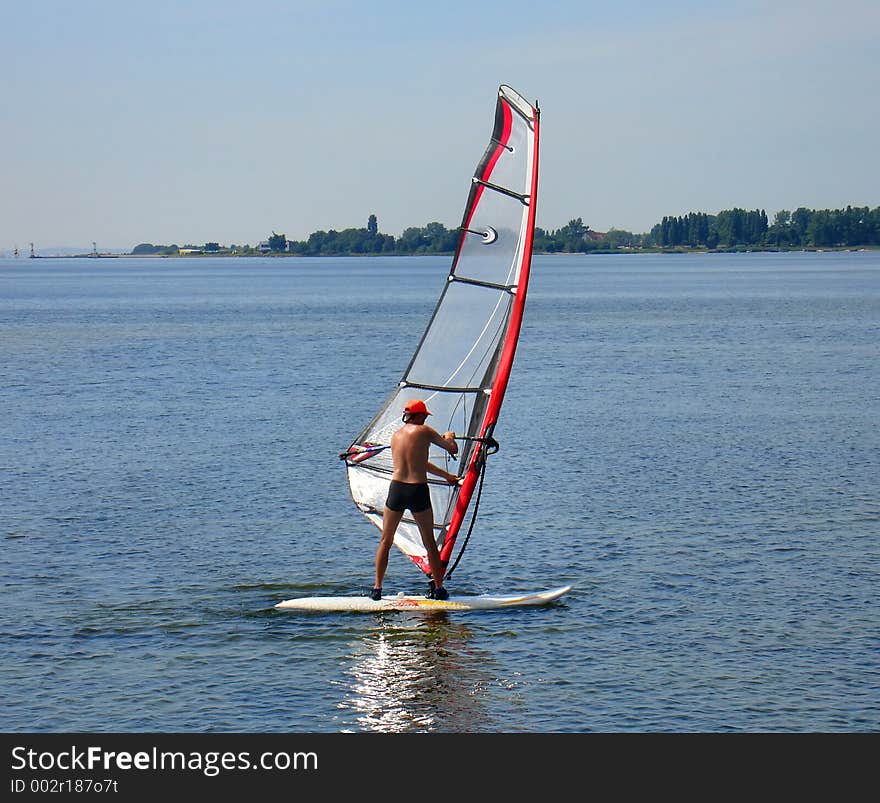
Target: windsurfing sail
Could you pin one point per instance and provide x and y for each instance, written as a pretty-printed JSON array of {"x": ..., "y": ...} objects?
[{"x": 462, "y": 364}]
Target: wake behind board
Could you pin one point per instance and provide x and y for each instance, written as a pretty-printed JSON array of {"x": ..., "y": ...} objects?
[{"x": 402, "y": 602}]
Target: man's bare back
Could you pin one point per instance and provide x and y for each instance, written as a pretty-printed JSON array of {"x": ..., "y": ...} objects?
[{"x": 409, "y": 450}]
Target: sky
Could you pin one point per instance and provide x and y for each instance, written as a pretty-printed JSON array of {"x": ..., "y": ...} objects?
[{"x": 169, "y": 122}]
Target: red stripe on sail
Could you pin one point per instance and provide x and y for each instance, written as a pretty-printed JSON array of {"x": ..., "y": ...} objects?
[{"x": 493, "y": 160}]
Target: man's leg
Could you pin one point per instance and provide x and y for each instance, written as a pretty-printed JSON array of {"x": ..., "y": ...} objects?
[
  {"x": 425, "y": 520},
  {"x": 390, "y": 520}
]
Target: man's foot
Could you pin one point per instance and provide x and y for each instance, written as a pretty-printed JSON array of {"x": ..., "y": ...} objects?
[
  {"x": 438, "y": 593},
  {"x": 376, "y": 594}
]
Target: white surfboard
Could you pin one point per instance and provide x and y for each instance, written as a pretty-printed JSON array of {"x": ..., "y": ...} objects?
[{"x": 403, "y": 602}]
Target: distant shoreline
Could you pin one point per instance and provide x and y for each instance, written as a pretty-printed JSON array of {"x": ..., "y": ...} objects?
[
  {"x": 736, "y": 230},
  {"x": 616, "y": 251}
]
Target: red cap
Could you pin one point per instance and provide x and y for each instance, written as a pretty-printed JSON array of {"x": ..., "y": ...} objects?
[{"x": 416, "y": 406}]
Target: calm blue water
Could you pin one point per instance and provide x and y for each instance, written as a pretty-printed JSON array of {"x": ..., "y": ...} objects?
[{"x": 691, "y": 441}]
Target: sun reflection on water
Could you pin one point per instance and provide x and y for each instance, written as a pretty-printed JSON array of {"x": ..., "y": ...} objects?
[{"x": 416, "y": 675}]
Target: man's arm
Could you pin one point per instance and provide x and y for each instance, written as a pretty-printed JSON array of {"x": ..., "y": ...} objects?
[
  {"x": 452, "y": 479},
  {"x": 445, "y": 441}
]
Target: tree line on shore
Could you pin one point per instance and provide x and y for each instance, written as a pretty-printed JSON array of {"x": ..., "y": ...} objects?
[
  {"x": 729, "y": 229},
  {"x": 803, "y": 228}
]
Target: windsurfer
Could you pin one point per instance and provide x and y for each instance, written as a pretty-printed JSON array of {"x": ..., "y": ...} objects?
[{"x": 409, "y": 490}]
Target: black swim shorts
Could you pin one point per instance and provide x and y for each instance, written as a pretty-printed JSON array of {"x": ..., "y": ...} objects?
[{"x": 412, "y": 495}]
